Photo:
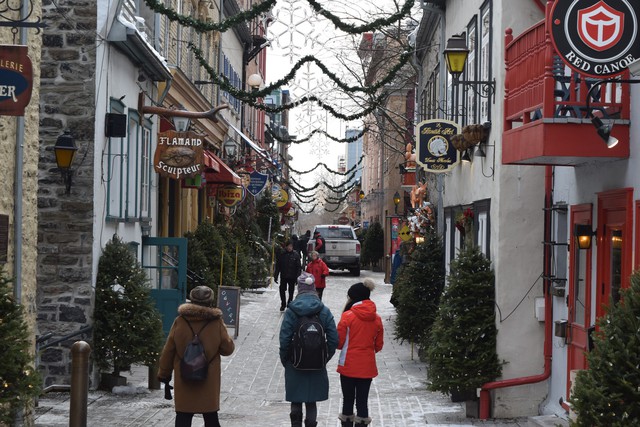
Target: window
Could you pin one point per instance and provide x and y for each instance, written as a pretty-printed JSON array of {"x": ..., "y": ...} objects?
[
  {"x": 471, "y": 97},
  {"x": 234, "y": 80},
  {"x": 145, "y": 170},
  {"x": 113, "y": 169},
  {"x": 485, "y": 57}
]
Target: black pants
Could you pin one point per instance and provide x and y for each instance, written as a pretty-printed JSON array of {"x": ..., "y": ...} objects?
[
  {"x": 312, "y": 410},
  {"x": 355, "y": 390},
  {"x": 183, "y": 419},
  {"x": 284, "y": 283},
  {"x": 320, "y": 291}
]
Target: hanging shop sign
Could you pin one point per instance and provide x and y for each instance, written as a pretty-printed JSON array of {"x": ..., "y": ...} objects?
[
  {"x": 179, "y": 154},
  {"x": 434, "y": 151},
  {"x": 257, "y": 182},
  {"x": 597, "y": 38},
  {"x": 16, "y": 80},
  {"x": 230, "y": 195},
  {"x": 281, "y": 198}
]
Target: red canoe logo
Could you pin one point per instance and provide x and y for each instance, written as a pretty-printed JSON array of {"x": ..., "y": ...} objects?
[{"x": 600, "y": 26}]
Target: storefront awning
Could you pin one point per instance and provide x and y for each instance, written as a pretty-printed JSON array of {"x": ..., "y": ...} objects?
[
  {"x": 210, "y": 163},
  {"x": 255, "y": 147},
  {"x": 224, "y": 174}
]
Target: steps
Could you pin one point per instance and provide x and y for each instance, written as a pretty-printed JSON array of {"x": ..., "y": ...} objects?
[{"x": 548, "y": 421}]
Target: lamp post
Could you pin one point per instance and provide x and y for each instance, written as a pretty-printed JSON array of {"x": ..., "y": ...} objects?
[
  {"x": 396, "y": 201},
  {"x": 65, "y": 150}
]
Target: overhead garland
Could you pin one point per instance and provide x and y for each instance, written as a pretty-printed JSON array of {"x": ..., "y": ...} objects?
[
  {"x": 256, "y": 10},
  {"x": 351, "y": 169},
  {"x": 312, "y": 133},
  {"x": 252, "y": 97}
]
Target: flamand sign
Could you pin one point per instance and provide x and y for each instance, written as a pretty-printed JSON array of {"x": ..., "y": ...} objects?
[
  {"x": 16, "y": 79},
  {"x": 179, "y": 154},
  {"x": 597, "y": 38},
  {"x": 434, "y": 151}
]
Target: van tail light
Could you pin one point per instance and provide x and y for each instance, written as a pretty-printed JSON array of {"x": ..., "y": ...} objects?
[{"x": 357, "y": 248}]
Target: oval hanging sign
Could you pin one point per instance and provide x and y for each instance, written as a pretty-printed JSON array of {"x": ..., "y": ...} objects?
[
  {"x": 230, "y": 195},
  {"x": 16, "y": 80},
  {"x": 597, "y": 38}
]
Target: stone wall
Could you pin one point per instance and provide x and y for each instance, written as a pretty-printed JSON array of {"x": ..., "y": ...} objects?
[{"x": 65, "y": 221}]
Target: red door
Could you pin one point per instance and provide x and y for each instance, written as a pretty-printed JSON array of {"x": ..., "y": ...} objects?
[
  {"x": 579, "y": 299},
  {"x": 614, "y": 246}
]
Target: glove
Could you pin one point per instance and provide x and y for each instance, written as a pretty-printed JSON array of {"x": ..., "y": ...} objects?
[{"x": 167, "y": 388}]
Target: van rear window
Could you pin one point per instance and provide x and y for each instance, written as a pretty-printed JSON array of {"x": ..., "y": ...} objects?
[{"x": 335, "y": 233}]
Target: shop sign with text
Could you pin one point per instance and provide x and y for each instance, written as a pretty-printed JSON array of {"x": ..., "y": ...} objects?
[
  {"x": 16, "y": 80},
  {"x": 597, "y": 38},
  {"x": 434, "y": 151},
  {"x": 257, "y": 182},
  {"x": 230, "y": 195},
  {"x": 179, "y": 154}
]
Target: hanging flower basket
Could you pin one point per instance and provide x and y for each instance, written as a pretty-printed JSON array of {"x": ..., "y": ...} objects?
[
  {"x": 473, "y": 134},
  {"x": 459, "y": 142}
]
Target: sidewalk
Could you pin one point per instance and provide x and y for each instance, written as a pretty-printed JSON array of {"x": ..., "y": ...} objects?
[{"x": 253, "y": 381}]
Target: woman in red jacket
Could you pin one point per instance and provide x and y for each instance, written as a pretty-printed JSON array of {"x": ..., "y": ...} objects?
[
  {"x": 360, "y": 337},
  {"x": 319, "y": 269}
]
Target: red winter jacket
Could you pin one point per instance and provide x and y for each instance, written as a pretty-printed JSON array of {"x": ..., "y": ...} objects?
[
  {"x": 360, "y": 337},
  {"x": 319, "y": 270}
]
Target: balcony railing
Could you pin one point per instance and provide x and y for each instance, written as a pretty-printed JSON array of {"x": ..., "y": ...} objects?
[{"x": 546, "y": 120}]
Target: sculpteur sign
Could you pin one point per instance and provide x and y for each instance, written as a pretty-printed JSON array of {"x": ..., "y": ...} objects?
[
  {"x": 597, "y": 38},
  {"x": 179, "y": 154}
]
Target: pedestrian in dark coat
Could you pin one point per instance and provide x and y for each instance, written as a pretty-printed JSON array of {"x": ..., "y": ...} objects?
[
  {"x": 360, "y": 337},
  {"x": 306, "y": 387},
  {"x": 196, "y": 397},
  {"x": 303, "y": 242},
  {"x": 320, "y": 271},
  {"x": 288, "y": 268}
]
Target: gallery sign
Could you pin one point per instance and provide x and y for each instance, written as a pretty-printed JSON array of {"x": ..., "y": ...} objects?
[
  {"x": 597, "y": 38},
  {"x": 179, "y": 154},
  {"x": 434, "y": 151},
  {"x": 16, "y": 80}
]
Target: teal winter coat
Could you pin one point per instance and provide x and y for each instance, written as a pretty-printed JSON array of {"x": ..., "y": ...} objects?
[{"x": 306, "y": 386}]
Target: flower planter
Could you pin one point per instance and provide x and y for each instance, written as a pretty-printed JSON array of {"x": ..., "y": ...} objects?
[{"x": 109, "y": 381}]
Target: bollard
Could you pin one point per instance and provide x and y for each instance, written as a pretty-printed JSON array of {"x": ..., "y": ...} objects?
[
  {"x": 153, "y": 382},
  {"x": 79, "y": 384}
]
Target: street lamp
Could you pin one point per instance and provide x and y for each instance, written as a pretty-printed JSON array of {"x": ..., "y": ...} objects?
[
  {"x": 230, "y": 149},
  {"x": 361, "y": 195},
  {"x": 254, "y": 81},
  {"x": 396, "y": 201},
  {"x": 455, "y": 56},
  {"x": 65, "y": 151}
]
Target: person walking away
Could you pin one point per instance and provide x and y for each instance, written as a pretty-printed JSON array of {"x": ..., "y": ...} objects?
[
  {"x": 306, "y": 386},
  {"x": 319, "y": 243},
  {"x": 296, "y": 243},
  {"x": 302, "y": 244},
  {"x": 196, "y": 397},
  {"x": 360, "y": 337},
  {"x": 288, "y": 269},
  {"x": 320, "y": 271}
]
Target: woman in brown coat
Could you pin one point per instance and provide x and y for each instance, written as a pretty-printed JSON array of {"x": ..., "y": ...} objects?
[{"x": 202, "y": 397}]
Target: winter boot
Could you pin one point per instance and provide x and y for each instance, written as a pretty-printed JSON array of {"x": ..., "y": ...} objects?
[
  {"x": 308, "y": 423},
  {"x": 296, "y": 419},
  {"x": 346, "y": 420},
  {"x": 361, "y": 422}
]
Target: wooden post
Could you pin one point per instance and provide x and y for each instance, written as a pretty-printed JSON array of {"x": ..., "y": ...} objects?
[
  {"x": 221, "y": 265},
  {"x": 235, "y": 274}
]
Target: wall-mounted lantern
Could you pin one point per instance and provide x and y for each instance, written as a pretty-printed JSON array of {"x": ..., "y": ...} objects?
[
  {"x": 65, "y": 150},
  {"x": 455, "y": 56},
  {"x": 583, "y": 235},
  {"x": 396, "y": 201},
  {"x": 361, "y": 195}
]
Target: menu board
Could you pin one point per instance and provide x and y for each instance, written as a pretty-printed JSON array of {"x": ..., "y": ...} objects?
[{"x": 229, "y": 303}]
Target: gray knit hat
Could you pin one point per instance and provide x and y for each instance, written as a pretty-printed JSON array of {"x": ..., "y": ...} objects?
[
  {"x": 201, "y": 295},
  {"x": 306, "y": 283}
]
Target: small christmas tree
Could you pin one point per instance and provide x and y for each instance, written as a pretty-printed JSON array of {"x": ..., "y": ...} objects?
[
  {"x": 373, "y": 245},
  {"x": 418, "y": 288},
  {"x": 462, "y": 346},
  {"x": 267, "y": 215},
  {"x": 127, "y": 326},
  {"x": 608, "y": 393},
  {"x": 19, "y": 382}
]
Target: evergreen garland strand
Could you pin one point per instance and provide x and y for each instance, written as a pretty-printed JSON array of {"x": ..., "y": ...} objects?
[
  {"x": 313, "y": 132},
  {"x": 202, "y": 27},
  {"x": 252, "y": 97},
  {"x": 351, "y": 169},
  {"x": 352, "y": 29}
]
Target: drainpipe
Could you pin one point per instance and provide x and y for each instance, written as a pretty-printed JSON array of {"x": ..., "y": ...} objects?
[
  {"x": 18, "y": 192},
  {"x": 485, "y": 397}
]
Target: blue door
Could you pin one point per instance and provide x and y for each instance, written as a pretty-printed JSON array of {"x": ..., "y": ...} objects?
[{"x": 165, "y": 261}]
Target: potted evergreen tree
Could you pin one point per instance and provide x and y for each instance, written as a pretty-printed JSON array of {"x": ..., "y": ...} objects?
[
  {"x": 373, "y": 246},
  {"x": 462, "y": 347},
  {"x": 127, "y": 326},
  {"x": 417, "y": 290},
  {"x": 19, "y": 381},
  {"x": 608, "y": 393}
]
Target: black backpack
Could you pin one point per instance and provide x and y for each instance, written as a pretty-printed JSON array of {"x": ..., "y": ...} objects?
[
  {"x": 309, "y": 351},
  {"x": 194, "y": 363}
]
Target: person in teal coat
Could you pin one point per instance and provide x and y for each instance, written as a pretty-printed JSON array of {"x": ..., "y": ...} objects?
[{"x": 306, "y": 387}]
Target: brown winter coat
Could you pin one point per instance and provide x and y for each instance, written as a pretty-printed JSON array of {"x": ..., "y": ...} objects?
[{"x": 204, "y": 396}]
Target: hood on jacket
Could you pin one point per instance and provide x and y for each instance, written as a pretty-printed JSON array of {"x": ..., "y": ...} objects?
[
  {"x": 199, "y": 311},
  {"x": 306, "y": 304},
  {"x": 364, "y": 310}
]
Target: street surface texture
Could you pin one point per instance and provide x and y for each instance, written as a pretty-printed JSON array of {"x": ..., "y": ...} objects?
[{"x": 253, "y": 380}]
